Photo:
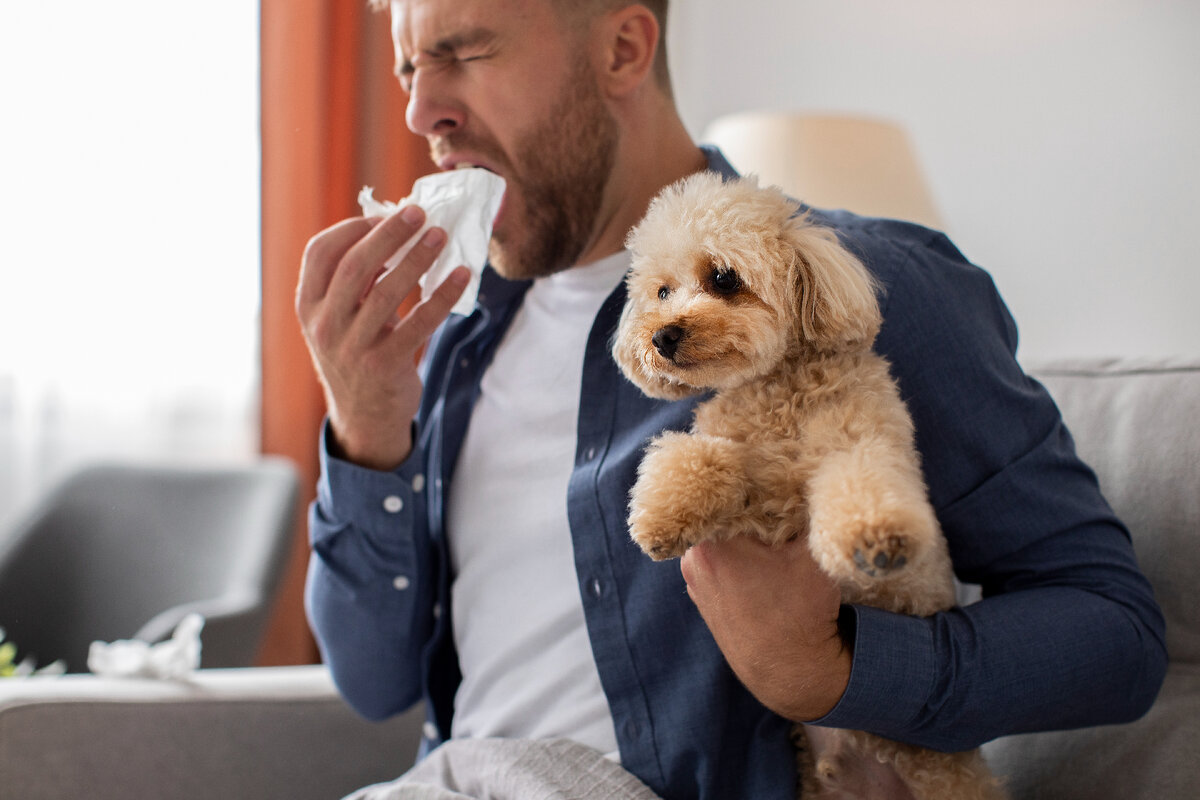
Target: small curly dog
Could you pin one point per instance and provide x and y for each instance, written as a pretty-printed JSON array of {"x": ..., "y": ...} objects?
[{"x": 805, "y": 435}]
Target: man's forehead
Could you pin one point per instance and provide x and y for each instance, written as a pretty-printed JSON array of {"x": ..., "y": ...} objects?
[{"x": 421, "y": 24}]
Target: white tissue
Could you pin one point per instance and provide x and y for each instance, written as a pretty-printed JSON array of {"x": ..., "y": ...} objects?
[
  {"x": 462, "y": 202},
  {"x": 174, "y": 659}
]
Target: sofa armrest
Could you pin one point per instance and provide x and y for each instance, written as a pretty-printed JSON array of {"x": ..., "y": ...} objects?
[{"x": 278, "y": 732}]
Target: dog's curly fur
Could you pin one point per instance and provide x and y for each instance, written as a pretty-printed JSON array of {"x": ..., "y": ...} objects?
[{"x": 805, "y": 436}]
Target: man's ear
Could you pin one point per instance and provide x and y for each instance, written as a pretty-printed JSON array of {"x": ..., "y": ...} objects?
[{"x": 629, "y": 37}]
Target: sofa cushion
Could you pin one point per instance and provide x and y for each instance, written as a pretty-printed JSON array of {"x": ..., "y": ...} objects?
[{"x": 1151, "y": 759}]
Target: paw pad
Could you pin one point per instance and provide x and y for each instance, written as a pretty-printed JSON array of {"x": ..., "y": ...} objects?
[{"x": 881, "y": 558}]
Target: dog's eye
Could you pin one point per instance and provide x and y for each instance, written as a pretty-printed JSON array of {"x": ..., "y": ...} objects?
[
  {"x": 725, "y": 281},
  {"x": 664, "y": 292}
]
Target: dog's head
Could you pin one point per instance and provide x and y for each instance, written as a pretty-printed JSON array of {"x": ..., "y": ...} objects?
[{"x": 727, "y": 281}]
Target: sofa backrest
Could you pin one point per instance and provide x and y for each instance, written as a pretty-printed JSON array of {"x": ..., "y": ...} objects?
[{"x": 1137, "y": 423}]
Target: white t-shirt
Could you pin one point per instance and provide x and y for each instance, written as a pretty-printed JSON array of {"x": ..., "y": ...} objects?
[{"x": 527, "y": 664}]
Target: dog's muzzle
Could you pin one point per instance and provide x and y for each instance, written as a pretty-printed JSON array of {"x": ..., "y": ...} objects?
[{"x": 666, "y": 340}]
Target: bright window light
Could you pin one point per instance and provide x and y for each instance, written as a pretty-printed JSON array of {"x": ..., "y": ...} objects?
[{"x": 129, "y": 228}]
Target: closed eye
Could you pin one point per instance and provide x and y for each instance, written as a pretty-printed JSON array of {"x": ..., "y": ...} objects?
[
  {"x": 404, "y": 73},
  {"x": 469, "y": 45}
]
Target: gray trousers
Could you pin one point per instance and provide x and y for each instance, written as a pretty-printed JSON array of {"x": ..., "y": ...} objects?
[{"x": 511, "y": 769}]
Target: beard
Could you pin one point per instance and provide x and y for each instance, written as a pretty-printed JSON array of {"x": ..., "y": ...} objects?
[
  {"x": 563, "y": 166},
  {"x": 556, "y": 178}
]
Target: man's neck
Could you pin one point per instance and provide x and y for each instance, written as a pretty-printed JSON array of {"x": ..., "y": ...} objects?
[{"x": 649, "y": 158}]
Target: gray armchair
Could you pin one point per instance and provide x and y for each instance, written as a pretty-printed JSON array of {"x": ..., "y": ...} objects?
[
  {"x": 122, "y": 551},
  {"x": 268, "y": 733}
]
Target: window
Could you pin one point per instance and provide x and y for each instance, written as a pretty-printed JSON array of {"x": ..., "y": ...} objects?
[{"x": 129, "y": 235}]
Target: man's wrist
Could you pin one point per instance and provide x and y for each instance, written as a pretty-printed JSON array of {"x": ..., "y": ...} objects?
[
  {"x": 813, "y": 687},
  {"x": 827, "y": 689},
  {"x": 369, "y": 451}
]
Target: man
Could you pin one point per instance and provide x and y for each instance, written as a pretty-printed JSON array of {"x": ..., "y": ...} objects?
[{"x": 468, "y": 537}]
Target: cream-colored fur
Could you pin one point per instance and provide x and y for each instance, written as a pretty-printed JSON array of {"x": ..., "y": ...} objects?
[{"x": 806, "y": 435}]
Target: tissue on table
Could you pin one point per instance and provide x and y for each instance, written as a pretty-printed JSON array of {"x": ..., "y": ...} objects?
[
  {"x": 173, "y": 659},
  {"x": 464, "y": 203}
]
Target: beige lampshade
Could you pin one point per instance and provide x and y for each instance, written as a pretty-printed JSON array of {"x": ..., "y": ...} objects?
[{"x": 857, "y": 163}]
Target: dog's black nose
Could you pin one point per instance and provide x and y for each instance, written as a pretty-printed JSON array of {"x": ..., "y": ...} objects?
[{"x": 666, "y": 340}]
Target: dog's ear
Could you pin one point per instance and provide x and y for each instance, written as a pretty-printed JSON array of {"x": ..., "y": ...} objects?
[{"x": 834, "y": 292}]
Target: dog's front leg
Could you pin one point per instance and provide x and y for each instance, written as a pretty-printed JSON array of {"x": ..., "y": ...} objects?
[
  {"x": 690, "y": 487},
  {"x": 873, "y": 530}
]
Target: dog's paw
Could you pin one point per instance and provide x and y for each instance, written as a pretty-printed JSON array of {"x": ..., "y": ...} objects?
[
  {"x": 659, "y": 543},
  {"x": 860, "y": 553},
  {"x": 881, "y": 553},
  {"x": 688, "y": 489}
]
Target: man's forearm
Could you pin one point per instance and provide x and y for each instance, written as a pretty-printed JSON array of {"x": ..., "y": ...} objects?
[
  {"x": 368, "y": 588},
  {"x": 1047, "y": 658}
]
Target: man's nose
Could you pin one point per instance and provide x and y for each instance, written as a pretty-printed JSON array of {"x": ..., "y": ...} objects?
[{"x": 432, "y": 110}]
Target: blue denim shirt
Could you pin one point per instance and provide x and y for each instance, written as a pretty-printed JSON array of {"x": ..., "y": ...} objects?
[{"x": 1068, "y": 633}]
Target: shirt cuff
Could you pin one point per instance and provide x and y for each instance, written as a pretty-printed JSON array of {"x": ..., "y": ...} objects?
[
  {"x": 892, "y": 675},
  {"x": 379, "y": 503}
]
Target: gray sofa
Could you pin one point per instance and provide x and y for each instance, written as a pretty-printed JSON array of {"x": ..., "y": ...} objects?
[
  {"x": 283, "y": 732},
  {"x": 1137, "y": 423}
]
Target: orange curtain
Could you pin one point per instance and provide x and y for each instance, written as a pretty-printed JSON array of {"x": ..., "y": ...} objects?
[{"x": 332, "y": 121}]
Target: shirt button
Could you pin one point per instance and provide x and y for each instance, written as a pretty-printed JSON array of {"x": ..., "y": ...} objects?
[
  {"x": 392, "y": 504},
  {"x": 429, "y": 731},
  {"x": 596, "y": 587},
  {"x": 418, "y": 483},
  {"x": 437, "y": 610},
  {"x": 401, "y": 582},
  {"x": 464, "y": 363},
  {"x": 590, "y": 454}
]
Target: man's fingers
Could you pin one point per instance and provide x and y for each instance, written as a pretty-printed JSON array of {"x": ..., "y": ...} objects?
[
  {"x": 377, "y": 314},
  {"x": 705, "y": 560},
  {"x": 710, "y": 565},
  {"x": 696, "y": 566},
  {"x": 321, "y": 257},
  {"x": 427, "y": 315},
  {"x": 362, "y": 263}
]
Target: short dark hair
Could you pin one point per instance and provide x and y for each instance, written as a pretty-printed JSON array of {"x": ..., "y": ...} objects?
[
  {"x": 658, "y": 8},
  {"x": 587, "y": 9}
]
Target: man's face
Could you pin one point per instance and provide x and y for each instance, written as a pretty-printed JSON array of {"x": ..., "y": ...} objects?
[{"x": 501, "y": 84}]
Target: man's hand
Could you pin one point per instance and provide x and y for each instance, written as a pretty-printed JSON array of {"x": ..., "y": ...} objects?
[
  {"x": 774, "y": 615},
  {"x": 364, "y": 353}
]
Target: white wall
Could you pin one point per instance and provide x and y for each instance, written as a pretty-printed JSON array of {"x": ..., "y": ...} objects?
[{"x": 1061, "y": 138}]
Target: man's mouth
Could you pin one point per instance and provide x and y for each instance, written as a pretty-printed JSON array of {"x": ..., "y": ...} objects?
[
  {"x": 503, "y": 201},
  {"x": 450, "y": 162}
]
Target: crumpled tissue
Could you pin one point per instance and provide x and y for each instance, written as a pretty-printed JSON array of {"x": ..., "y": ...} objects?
[
  {"x": 173, "y": 659},
  {"x": 462, "y": 202}
]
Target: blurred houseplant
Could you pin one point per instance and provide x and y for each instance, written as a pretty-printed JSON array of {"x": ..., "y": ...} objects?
[{"x": 11, "y": 668}]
